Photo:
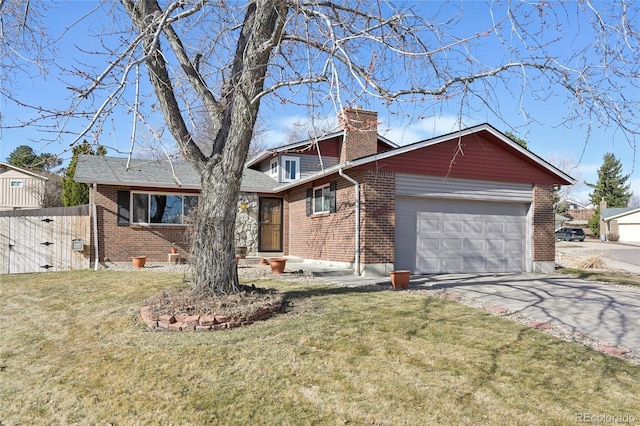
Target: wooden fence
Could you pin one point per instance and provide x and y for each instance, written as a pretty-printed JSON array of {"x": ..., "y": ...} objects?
[{"x": 54, "y": 239}]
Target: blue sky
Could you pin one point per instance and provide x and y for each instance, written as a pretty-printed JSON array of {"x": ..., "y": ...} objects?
[{"x": 574, "y": 145}]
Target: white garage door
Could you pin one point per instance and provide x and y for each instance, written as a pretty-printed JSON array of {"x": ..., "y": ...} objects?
[
  {"x": 629, "y": 232},
  {"x": 443, "y": 236}
]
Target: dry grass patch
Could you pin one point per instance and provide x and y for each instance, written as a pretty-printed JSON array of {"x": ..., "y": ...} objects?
[
  {"x": 591, "y": 260},
  {"x": 606, "y": 276},
  {"x": 72, "y": 351}
]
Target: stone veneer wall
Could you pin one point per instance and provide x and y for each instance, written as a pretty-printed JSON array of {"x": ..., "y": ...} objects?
[{"x": 247, "y": 222}]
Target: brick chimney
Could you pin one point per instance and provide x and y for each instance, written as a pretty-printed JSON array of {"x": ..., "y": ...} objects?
[{"x": 360, "y": 133}]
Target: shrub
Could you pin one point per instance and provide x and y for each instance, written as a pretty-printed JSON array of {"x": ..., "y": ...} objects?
[{"x": 613, "y": 237}]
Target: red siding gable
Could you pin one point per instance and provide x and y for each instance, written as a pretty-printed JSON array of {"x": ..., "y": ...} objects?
[{"x": 478, "y": 156}]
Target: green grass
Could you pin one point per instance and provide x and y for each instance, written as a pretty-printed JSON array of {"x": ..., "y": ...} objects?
[{"x": 73, "y": 352}]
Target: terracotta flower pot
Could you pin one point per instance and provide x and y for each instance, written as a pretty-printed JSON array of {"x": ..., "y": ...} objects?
[
  {"x": 277, "y": 264},
  {"x": 400, "y": 279},
  {"x": 139, "y": 261},
  {"x": 174, "y": 250}
]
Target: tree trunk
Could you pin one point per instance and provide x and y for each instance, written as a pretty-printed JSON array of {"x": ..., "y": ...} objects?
[{"x": 213, "y": 245}]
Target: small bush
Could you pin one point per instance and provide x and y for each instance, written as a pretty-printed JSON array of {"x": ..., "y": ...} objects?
[{"x": 613, "y": 237}]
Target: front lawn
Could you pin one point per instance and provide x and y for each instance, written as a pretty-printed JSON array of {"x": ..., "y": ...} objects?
[{"x": 72, "y": 350}]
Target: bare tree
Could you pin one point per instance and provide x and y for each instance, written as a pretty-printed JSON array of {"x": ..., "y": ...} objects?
[{"x": 224, "y": 59}]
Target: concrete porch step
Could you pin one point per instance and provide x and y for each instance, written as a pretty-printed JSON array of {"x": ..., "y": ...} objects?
[{"x": 330, "y": 273}]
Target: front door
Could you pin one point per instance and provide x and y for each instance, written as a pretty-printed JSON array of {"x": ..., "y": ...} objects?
[{"x": 270, "y": 224}]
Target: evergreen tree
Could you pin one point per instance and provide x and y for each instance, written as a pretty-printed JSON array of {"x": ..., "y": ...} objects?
[
  {"x": 76, "y": 193},
  {"x": 517, "y": 139},
  {"x": 610, "y": 187},
  {"x": 25, "y": 156}
]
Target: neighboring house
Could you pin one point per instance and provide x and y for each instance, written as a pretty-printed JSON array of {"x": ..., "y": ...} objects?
[
  {"x": 623, "y": 222},
  {"x": 21, "y": 188},
  {"x": 579, "y": 211},
  {"x": 469, "y": 201}
]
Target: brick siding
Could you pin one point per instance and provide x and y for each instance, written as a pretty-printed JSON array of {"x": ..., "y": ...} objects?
[
  {"x": 119, "y": 243},
  {"x": 379, "y": 208},
  {"x": 331, "y": 236},
  {"x": 544, "y": 240}
]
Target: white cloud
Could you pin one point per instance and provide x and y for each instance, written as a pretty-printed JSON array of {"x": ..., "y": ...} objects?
[{"x": 422, "y": 129}]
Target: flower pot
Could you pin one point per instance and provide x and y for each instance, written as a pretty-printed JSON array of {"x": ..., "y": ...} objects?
[
  {"x": 174, "y": 250},
  {"x": 277, "y": 264},
  {"x": 400, "y": 279},
  {"x": 138, "y": 261}
]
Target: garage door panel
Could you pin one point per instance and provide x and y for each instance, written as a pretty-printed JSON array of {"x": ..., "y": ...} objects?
[
  {"x": 494, "y": 227},
  {"x": 460, "y": 236},
  {"x": 514, "y": 246},
  {"x": 454, "y": 226},
  {"x": 452, "y": 264},
  {"x": 495, "y": 246},
  {"x": 494, "y": 264},
  {"x": 425, "y": 264},
  {"x": 513, "y": 264},
  {"x": 452, "y": 244},
  {"x": 474, "y": 245},
  {"x": 514, "y": 228},
  {"x": 474, "y": 264},
  {"x": 474, "y": 227},
  {"x": 427, "y": 224}
]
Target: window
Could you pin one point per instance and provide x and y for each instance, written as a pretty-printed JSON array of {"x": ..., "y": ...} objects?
[
  {"x": 321, "y": 199},
  {"x": 162, "y": 208},
  {"x": 273, "y": 167},
  {"x": 17, "y": 184},
  {"x": 290, "y": 166}
]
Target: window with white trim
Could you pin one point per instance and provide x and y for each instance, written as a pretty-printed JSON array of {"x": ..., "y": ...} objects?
[
  {"x": 322, "y": 199},
  {"x": 17, "y": 184},
  {"x": 290, "y": 168},
  {"x": 273, "y": 167},
  {"x": 158, "y": 208}
]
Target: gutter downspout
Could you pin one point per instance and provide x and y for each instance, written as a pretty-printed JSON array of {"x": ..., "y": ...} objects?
[
  {"x": 95, "y": 224},
  {"x": 357, "y": 228}
]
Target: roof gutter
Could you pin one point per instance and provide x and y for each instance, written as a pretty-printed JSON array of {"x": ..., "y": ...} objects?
[
  {"x": 357, "y": 224},
  {"x": 95, "y": 225}
]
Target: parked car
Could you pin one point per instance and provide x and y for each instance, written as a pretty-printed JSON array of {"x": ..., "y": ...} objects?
[{"x": 570, "y": 234}]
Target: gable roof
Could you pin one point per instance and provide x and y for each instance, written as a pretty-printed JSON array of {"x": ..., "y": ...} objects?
[
  {"x": 515, "y": 148},
  {"x": 31, "y": 173},
  {"x": 559, "y": 176},
  {"x": 616, "y": 213},
  {"x": 104, "y": 170},
  {"x": 161, "y": 174}
]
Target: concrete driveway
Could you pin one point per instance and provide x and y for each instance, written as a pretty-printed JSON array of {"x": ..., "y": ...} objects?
[{"x": 604, "y": 312}]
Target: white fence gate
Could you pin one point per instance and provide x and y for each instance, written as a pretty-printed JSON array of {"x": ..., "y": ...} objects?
[{"x": 54, "y": 239}]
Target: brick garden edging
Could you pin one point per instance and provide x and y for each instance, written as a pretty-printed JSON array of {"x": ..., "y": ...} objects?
[{"x": 186, "y": 322}]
